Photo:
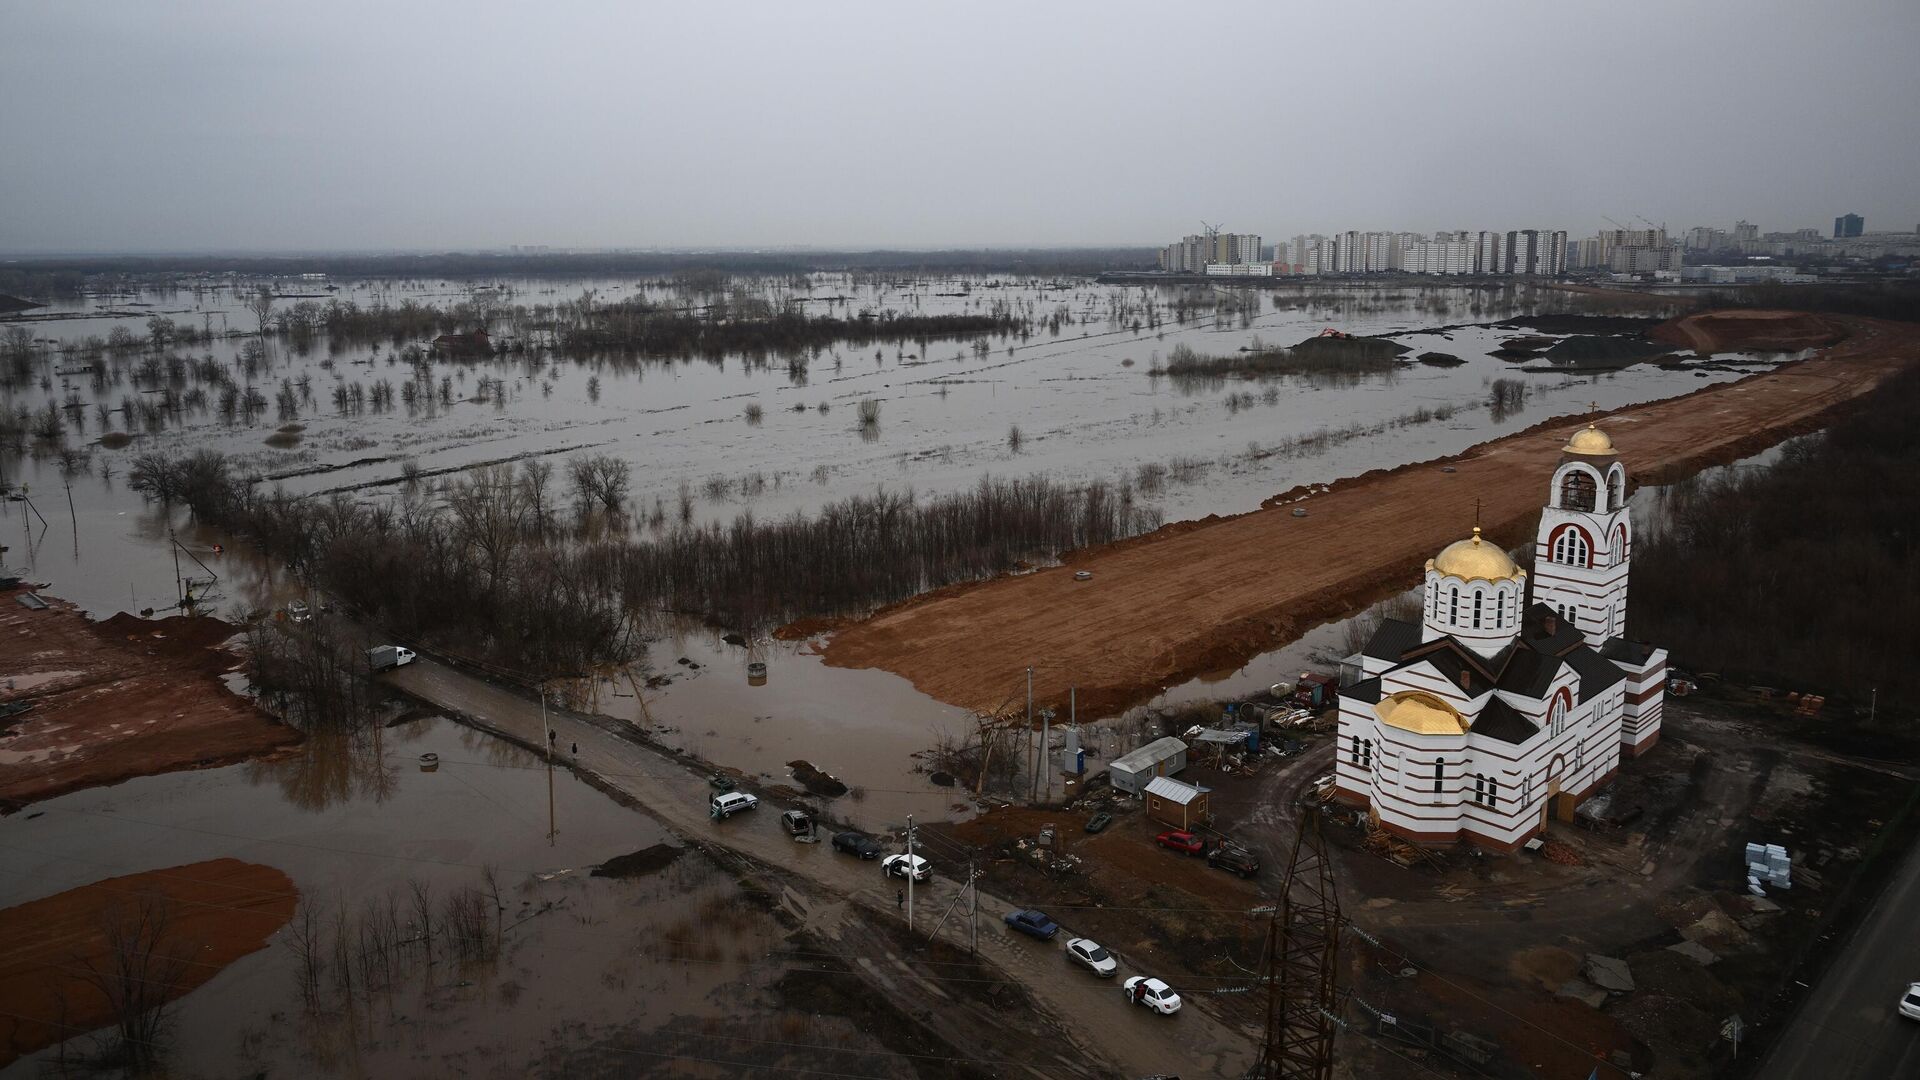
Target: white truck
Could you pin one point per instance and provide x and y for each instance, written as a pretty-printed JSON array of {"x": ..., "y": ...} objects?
[{"x": 382, "y": 657}]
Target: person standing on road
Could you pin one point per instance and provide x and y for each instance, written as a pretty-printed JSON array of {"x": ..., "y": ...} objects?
[
  {"x": 576, "y": 749},
  {"x": 900, "y": 899}
]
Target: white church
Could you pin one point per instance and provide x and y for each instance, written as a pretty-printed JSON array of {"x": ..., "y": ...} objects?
[{"x": 1495, "y": 711}]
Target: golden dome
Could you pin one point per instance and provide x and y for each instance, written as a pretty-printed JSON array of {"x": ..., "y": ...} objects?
[
  {"x": 1475, "y": 559},
  {"x": 1588, "y": 440},
  {"x": 1421, "y": 713}
]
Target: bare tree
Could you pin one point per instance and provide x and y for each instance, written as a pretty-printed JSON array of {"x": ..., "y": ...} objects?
[
  {"x": 139, "y": 975},
  {"x": 261, "y": 304},
  {"x": 535, "y": 484},
  {"x": 303, "y": 937}
]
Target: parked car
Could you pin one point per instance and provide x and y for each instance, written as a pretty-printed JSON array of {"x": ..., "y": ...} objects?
[
  {"x": 905, "y": 865},
  {"x": 857, "y": 844},
  {"x": 1152, "y": 993},
  {"x": 1910, "y": 1002},
  {"x": 1034, "y": 924},
  {"x": 382, "y": 657},
  {"x": 720, "y": 783},
  {"x": 1181, "y": 841},
  {"x": 1091, "y": 953},
  {"x": 797, "y": 822},
  {"x": 731, "y": 803},
  {"x": 1235, "y": 859},
  {"x": 1099, "y": 821}
]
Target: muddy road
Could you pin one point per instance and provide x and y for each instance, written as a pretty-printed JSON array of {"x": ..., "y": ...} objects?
[
  {"x": 1089, "y": 1012},
  {"x": 1204, "y": 596}
]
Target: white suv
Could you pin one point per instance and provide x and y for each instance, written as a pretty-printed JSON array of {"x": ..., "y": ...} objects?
[
  {"x": 731, "y": 803},
  {"x": 904, "y": 865},
  {"x": 1910, "y": 1002}
]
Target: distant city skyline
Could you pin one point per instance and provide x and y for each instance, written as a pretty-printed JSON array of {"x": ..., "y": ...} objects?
[{"x": 437, "y": 126}]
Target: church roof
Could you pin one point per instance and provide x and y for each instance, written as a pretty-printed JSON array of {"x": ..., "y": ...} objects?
[
  {"x": 1533, "y": 631},
  {"x": 1631, "y": 652},
  {"x": 1501, "y": 721},
  {"x": 1596, "y": 672},
  {"x": 1421, "y": 713},
  {"x": 1393, "y": 639},
  {"x": 1530, "y": 673},
  {"x": 1367, "y": 690},
  {"x": 1451, "y": 659},
  {"x": 1589, "y": 440},
  {"x": 1474, "y": 559}
]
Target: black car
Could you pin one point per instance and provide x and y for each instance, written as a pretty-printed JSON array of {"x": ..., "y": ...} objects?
[
  {"x": 1234, "y": 858},
  {"x": 1099, "y": 821},
  {"x": 854, "y": 843}
]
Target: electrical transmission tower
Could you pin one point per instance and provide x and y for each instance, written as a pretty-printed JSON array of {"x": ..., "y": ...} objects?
[{"x": 1303, "y": 936}]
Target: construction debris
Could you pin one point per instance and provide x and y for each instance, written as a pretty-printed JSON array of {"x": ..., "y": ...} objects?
[
  {"x": 1561, "y": 854},
  {"x": 1608, "y": 973}
]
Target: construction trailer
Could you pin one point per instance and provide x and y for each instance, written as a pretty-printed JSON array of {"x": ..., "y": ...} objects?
[
  {"x": 1131, "y": 771},
  {"x": 1173, "y": 803}
]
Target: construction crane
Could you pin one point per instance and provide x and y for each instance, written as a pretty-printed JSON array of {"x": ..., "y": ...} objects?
[{"x": 1303, "y": 939}]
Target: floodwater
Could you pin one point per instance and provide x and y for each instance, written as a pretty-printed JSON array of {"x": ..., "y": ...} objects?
[
  {"x": 583, "y": 959},
  {"x": 1083, "y": 399}
]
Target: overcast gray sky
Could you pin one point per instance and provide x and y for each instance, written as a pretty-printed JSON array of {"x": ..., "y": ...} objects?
[{"x": 347, "y": 125}]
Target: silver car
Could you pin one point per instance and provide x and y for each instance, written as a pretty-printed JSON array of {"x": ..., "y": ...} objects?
[
  {"x": 1910, "y": 1002},
  {"x": 1094, "y": 955}
]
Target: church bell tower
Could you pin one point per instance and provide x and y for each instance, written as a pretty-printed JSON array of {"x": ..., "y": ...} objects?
[{"x": 1580, "y": 558}]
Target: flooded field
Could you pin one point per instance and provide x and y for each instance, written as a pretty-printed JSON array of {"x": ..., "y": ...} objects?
[
  {"x": 588, "y": 968},
  {"x": 1073, "y": 389}
]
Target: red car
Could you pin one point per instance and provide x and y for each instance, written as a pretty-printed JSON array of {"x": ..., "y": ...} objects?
[{"x": 1181, "y": 841}]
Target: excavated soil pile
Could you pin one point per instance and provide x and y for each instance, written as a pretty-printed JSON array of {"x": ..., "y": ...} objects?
[
  {"x": 1210, "y": 595},
  {"x": 208, "y": 915},
  {"x": 117, "y": 699},
  {"x": 1753, "y": 331}
]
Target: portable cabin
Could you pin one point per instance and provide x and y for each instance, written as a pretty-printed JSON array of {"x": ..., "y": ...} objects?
[
  {"x": 1161, "y": 757},
  {"x": 1171, "y": 802}
]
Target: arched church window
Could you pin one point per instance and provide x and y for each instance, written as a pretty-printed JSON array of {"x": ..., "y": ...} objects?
[
  {"x": 1439, "y": 774},
  {"x": 1570, "y": 548},
  {"x": 1577, "y": 490},
  {"x": 1615, "y": 494},
  {"x": 1476, "y": 609},
  {"x": 1557, "y": 716},
  {"x": 1493, "y": 791},
  {"x": 1453, "y": 605}
]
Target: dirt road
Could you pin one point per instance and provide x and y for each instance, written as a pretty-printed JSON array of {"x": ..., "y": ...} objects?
[
  {"x": 116, "y": 699},
  {"x": 1204, "y": 596},
  {"x": 1108, "y": 1033}
]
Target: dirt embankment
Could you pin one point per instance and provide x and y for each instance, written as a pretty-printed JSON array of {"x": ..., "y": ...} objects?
[
  {"x": 117, "y": 699},
  {"x": 210, "y": 914},
  {"x": 1751, "y": 331},
  {"x": 1209, "y": 595}
]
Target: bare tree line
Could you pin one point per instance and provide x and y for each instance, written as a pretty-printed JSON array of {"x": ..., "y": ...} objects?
[{"x": 491, "y": 561}]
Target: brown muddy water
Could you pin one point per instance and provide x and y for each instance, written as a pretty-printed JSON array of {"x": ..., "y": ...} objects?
[
  {"x": 1083, "y": 399},
  {"x": 645, "y": 971}
]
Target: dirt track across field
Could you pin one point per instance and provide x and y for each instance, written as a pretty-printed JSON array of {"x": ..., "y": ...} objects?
[
  {"x": 210, "y": 914},
  {"x": 1202, "y": 596},
  {"x": 116, "y": 699}
]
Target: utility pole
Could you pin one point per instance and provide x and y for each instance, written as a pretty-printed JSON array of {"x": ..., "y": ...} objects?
[
  {"x": 1033, "y": 788},
  {"x": 910, "y": 873},
  {"x": 173, "y": 543},
  {"x": 1046, "y": 747},
  {"x": 973, "y": 909},
  {"x": 552, "y": 829},
  {"x": 1303, "y": 936}
]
